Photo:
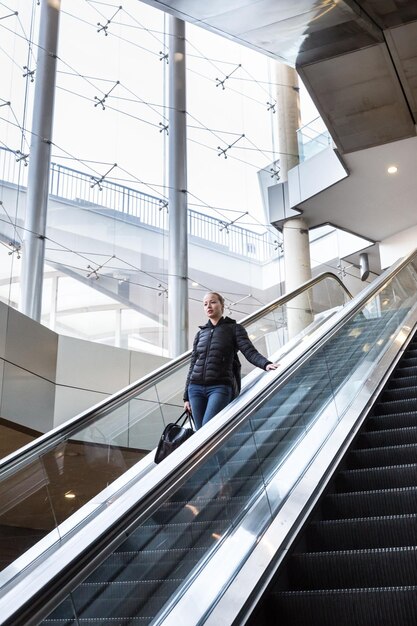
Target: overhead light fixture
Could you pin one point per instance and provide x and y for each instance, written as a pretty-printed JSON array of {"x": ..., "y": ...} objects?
[
  {"x": 70, "y": 495},
  {"x": 392, "y": 169}
]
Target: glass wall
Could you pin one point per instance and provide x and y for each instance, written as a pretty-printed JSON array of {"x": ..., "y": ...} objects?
[{"x": 106, "y": 271}]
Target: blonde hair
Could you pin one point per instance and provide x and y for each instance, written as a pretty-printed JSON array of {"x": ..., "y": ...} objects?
[{"x": 218, "y": 295}]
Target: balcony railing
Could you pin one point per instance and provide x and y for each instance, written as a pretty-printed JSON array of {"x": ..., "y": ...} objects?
[
  {"x": 312, "y": 139},
  {"x": 143, "y": 209}
]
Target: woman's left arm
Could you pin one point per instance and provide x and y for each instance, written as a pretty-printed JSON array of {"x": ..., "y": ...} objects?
[{"x": 249, "y": 351}]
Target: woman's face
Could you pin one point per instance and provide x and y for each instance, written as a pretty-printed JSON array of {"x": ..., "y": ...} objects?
[{"x": 212, "y": 307}]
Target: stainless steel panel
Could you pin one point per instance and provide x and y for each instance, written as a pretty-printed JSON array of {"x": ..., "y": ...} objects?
[
  {"x": 23, "y": 332},
  {"x": 38, "y": 413},
  {"x": 4, "y": 309},
  {"x": 87, "y": 365}
]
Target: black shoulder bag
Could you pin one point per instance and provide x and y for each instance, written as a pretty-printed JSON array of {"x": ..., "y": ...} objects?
[{"x": 173, "y": 436}]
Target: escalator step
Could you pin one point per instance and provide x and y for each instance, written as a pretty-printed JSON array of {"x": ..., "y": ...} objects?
[
  {"x": 391, "y": 567},
  {"x": 270, "y": 440},
  {"x": 396, "y": 406},
  {"x": 384, "y": 456},
  {"x": 364, "y": 532},
  {"x": 366, "y": 479},
  {"x": 344, "y": 607},
  {"x": 137, "y": 566},
  {"x": 402, "y": 371},
  {"x": 409, "y": 359},
  {"x": 402, "y": 382},
  {"x": 391, "y": 420},
  {"x": 123, "y": 599},
  {"x": 392, "y": 437},
  {"x": 370, "y": 503},
  {"x": 403, "y": 393}
]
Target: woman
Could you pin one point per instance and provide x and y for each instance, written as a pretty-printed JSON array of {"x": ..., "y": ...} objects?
[{"x": 209, "y": 385}]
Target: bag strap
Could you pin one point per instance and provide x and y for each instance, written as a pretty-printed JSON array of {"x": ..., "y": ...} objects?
[{"x": 186, "y": 416}]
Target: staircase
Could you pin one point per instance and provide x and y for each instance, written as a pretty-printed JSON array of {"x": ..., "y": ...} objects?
[{"x": 355, "y": 563}]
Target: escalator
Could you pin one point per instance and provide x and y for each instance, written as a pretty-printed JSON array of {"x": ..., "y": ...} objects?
[
  {"x": 355, "y": 563},
  {"x": 200, "y": 535},
  {"x": 49, "y": 480}
]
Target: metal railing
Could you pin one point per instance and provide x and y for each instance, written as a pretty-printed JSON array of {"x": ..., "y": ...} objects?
[
  {"x": 92, "y": 193},
  {"x": 313, "y": 138}
]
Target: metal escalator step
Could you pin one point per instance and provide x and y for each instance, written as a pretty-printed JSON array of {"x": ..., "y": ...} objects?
[
  {"x": 377, "y": 567},
  {"x": 403, "y": 381},
  {"x": 364, "y": 532},
  {"x": 391, "y": 420},
  {"x": 276, "y": 436},
  {"x": 409, "y": 360},
  {"x": 398, "y": 394},
  {"x": 178, "y": 536},
  {"x": 343, "y": 607},
  {"x": 202, "y": 509},
  {"x": 393, "y": 436},
  {"x": 404, "y": 371},
  {"x": 119, "y": 602},
  {"x": 383, "y": 456},
  {"x": 216, "y": 494},
  {"x": 396, "y": 406},
  {"x": 370, "y": 503},
  {"x": 175, "y": 542},
  {"x": 389, "y": 477},
  {"x": 147, "y": 565},
  {"x": 123, "y": 599}
]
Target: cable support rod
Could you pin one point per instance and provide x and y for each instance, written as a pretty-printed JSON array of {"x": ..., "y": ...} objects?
[
  {"x": 98, "y": 181},
  {"x": 104, "y": 27},
  {"x": 104, "y": 98},
  {"x": 221, "y": 82}
]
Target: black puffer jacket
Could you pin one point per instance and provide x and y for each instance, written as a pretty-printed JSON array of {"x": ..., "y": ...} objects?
[{"x": 213, "y": 351}]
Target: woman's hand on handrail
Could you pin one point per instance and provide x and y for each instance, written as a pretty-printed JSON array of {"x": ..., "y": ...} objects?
[{"x": 272, "y": 366}]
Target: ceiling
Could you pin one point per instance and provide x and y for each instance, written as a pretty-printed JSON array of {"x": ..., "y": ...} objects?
[
  {"x": 370, "y": 201},
  {"x": 358, "y": 60}
]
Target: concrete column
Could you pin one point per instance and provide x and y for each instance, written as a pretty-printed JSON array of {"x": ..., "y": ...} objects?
[
  {"x": 288, "y": 114},
  {"x": 177, "y": 201},
  {"x": 33, "y": 247},
  {"x": 297, "y": 271}
]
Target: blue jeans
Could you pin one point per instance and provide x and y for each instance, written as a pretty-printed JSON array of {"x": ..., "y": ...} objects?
[{"x": 208, "y": 400}]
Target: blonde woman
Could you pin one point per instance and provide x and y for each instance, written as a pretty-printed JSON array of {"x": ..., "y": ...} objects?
[{"x": 209, "y": 385}]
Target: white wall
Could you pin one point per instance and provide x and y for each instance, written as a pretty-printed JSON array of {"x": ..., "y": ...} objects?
[
  {"x": 397, "y": 246},
  {"x": 46, "y": 378}
]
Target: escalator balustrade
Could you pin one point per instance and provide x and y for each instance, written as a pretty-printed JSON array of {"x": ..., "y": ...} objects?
[{"x": 355, "y": 563}]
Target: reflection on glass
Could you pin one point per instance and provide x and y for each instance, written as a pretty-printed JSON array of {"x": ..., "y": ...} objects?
[{"x": 26, "y": 515}]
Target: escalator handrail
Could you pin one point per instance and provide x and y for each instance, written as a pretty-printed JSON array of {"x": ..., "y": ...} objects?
[
  {"x": 163, "y": 478},
  {"x": 83, "y": 419}
]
